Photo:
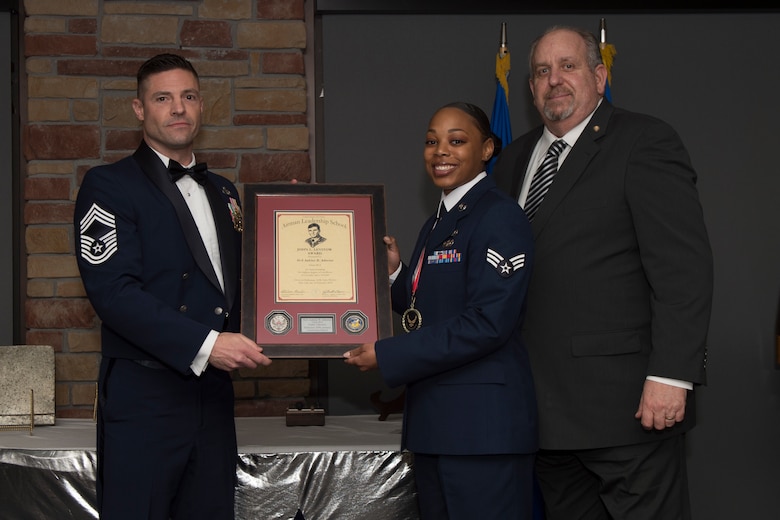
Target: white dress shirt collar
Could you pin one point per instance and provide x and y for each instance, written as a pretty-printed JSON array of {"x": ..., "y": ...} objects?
[{"x": 455, "y": 195}]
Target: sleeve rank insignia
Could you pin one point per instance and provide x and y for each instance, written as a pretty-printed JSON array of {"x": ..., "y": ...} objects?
[
  {"x": 505, "y": 268},
  {"x": 97, "y": 230}
]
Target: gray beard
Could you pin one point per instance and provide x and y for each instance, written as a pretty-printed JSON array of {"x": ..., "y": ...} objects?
[{"x": 559, "y": 116}]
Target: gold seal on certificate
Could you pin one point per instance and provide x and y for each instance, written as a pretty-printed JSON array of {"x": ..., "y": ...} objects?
[{"x": 411, "y": 319}]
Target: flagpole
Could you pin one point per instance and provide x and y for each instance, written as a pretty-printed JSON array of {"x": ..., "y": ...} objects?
[
  {"x": 503, "y": 49},
  {"x": 499, "y": 119},
  {"x": 607, "y": 56}
]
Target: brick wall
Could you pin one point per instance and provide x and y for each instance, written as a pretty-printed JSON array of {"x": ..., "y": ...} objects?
[{"x": 80, "y": 60}]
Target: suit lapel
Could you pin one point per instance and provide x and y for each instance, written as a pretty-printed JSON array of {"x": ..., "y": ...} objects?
[
  {"x": 154, "y": 169},
  {"x": 447, "y": 228},
  {"x": 585, "y": 149}
]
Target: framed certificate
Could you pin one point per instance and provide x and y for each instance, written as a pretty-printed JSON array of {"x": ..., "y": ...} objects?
[{"x": 315, "y": 280}]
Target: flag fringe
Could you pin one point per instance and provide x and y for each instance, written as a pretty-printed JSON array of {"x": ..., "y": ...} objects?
[
  {"x": 608, "y": 53},
  {"x": 502, "y": 72}
]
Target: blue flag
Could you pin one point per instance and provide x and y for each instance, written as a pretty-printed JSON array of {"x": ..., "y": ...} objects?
[
  {"x": 608, "y": 56},
  {"x": 499, "y": 120}
]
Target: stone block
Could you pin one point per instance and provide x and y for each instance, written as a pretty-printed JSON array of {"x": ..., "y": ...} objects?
[
  {"x": 159, "y": 30},
  {"x": 48, "y": 213},
  {"x": 271, "y": 35},
  {"x": 48, "y": 110},
  {"x": 274, "y": 167},
  {"x": 288, "y": 138},
  {"x": 196, "y": 33},
  {"x": 61, "y": 142},
  {"x": 271, "y": 100},
  {"x": 283, "y": 63},
  {"x": 57, "y": 45},
  {"x": 62, "y": 7},
  {"x": 70, "y": 313},
  {"x": 60, "y": 87},
  {"x": 226, "y": 9},
  {"x": 47, "y": 188},
  {"x": 52, "y": 266},
  {"x": 48, "y": 240},
  {"x": 26, "y": 368},
  {"x": 281, "y": 10},
  {"x": 39, "y": 24},
  {"x": 83, "y": 26}
]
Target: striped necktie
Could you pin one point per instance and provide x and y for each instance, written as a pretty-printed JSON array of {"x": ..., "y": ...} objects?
[{"x": 543, "y": 178}]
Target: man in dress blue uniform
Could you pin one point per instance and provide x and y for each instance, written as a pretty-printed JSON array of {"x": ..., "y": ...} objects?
[{"x": 159, "y": 253}]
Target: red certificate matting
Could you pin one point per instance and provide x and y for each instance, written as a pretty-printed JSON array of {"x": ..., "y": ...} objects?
[{"x": 315, "y": 280}]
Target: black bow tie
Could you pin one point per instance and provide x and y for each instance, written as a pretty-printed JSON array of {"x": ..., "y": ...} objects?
[{"x": 197, "y": 172}]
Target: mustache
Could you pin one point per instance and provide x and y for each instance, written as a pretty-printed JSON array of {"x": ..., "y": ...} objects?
[{"x": 557, "y": 91}]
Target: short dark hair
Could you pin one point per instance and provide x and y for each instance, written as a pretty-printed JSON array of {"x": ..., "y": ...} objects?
[{"x": 162, "y": 63}]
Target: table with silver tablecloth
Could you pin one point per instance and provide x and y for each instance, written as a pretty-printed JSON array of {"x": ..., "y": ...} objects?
[{"x": 349, "y": 468}]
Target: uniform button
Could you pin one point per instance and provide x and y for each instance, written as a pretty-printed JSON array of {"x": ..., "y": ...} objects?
[
  {"x": 185, "y": 276},
  {"x": 218, "y": 310},
  {"x": 183, "y": 308}
]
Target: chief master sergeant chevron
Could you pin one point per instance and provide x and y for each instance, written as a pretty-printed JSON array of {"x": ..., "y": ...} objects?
[{"x": 159, "y": 254}]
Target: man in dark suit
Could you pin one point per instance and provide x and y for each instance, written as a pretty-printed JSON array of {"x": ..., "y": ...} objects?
[
  {"x": 159, "y": 253},
  {"x": 470, "y": 410},
  {"x": 620, "y": 297}
]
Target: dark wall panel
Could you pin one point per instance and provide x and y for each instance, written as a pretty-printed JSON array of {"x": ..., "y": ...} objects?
[{"x": 712, "y": 76}]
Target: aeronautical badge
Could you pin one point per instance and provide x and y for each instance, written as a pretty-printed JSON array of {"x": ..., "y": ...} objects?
[
  {"x": 451, "y": 239},
  {"x": 98, "y": 235},
  {"x": 505, "y": 268},
  {"x": 235, "y": 215}
]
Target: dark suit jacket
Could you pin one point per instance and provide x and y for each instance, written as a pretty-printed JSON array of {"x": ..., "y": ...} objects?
[
  {"x": 622, "y": 283},
  {"x": 157, "y": 295},
  {"x": 469, "y": 388}
]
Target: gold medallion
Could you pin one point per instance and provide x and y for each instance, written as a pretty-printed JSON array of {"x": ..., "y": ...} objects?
[{"x": 411, "y": 319}]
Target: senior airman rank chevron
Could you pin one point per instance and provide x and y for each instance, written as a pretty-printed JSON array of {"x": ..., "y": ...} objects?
[
  {"x": 505, "y": 268},
  {"x": 98, "y": 235}
]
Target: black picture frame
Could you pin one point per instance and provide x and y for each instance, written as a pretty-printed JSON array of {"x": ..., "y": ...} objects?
[{"x": 314, "y": 301}]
